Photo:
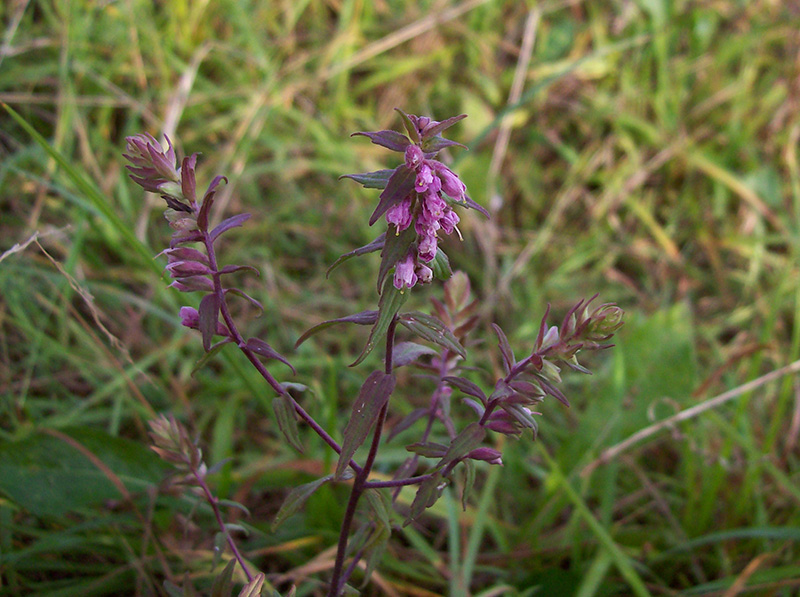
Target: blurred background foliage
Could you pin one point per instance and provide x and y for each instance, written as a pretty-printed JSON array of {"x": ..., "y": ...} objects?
[{"x": 643, "y": 150}]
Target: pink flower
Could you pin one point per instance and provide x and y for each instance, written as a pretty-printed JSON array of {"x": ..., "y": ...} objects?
[
  {"x": 400, "y": 214},
  {"x": 424, "y": 273},
  {"x": 433, "y": 207},
  {"x": 424, "y": 178},
  {"x": 451, "y": 183},
  {"x": 413, "y": 156},
  {"x": 449, "y": 221},
  {"x": 427, "y": 247},
  {"x": 404, "y": 275}
]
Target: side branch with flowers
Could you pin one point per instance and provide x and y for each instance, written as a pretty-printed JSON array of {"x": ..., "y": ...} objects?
[{"x": 418, "y": 202}]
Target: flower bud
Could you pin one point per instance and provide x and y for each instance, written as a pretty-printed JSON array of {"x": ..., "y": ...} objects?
[{"x": 489, "y": 455}]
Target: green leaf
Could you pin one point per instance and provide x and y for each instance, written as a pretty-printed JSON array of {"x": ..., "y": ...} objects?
[
  {"x": 374, "y": 394},
  {"x": 469, "y": 481},
  {"x": 51, "y": 476},
  {"x": 428, "y": 492},
  {"x": 223, "y": 583},
  {"x": 390, "y": 302},
  {"x": 410, "y": 128},
  {"x": 375, "y": 245},
  {"x": 296, "y": 498},
  {"x": 363, "y": 318},
  {"x": 283, "y": 408},
  {"x": 375, "y": 546},
  {"x": 233, "y": 504},
  {"x": 405, "y": 353},
  {"x": 209, "y": 355},
  {"x": 371, "y": 180},
  {"x": 466, "y": 441},
  {"x": 432, "y": 329},
  {"x": 441, "y": 266}
]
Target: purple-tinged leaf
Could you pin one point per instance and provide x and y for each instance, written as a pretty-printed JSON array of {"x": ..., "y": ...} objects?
[
  {"x": 209, "y": 316},
  {"x": 469, "y": 482},
  {"x": 225, "y": 225},
  {"x": 542, "y": 330},
  {"x": 410, "y": 126},
  {"x": 283, "y": 408},
  {"x": 434, "y": 145},
  {"x": 527, "y": 389},
  {"x": 296, "y": 498},
  {"x": 395, "y": 248},
  {"x": 185, "y": 254},
  {"x": 190, "y": 236},
  {"x": 254, "y": 587},
  {"x": 388, "y": 139},
  {"x": 192, "y": 284},
  {"x": 471, "y": 203},
  {"x": 389, "y": 304},
  {"x": 373, "y": 549},
  {"x": 470, "y": 438},
  {"x": 229, "y": 269},
  {"x": 265, "y": 350},
  {"x": 428, "y": 449},
  {"x": 467, "y": 387},
  {"x": 407, "y": 422},
  {"x": 505, "y": 349},
  {"x": 432, "y": 329},
  {"x": 371, "y": 180},
  {"x": 223, "y": 584},
  {"x": 375, "y": 245},
  {"x": 399, "y": 186},
  {"x": 406, "y": 353},
  {"x": 553, "y": 391},
  {"x": 208, "y": 201},
  {"x": 187, "y": 178},
  {"x": 523, "y": 416},
  {"x": 429, "y": 491},
  {"x": 443, "y": 125},
  {"x": 209, "y": 355},
  {"x": 374, "y": 394},
  {"x": 363, "y": 318},
  {"x": 474, "y": 405},
  {"x": 501, "y": 391},
  {"x": 246, "y": 297}
]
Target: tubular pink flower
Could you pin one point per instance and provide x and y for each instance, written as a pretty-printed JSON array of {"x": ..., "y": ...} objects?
[
  {"x": 451, "y": 183},
  {"x": 424, "y": 178},
  {"x": 413, "y": 156},
  {"x": 400, "y": 215},
  {"x": 449, "y": 220},
  {"x": 433, "y": 207},
  {"x": 427, "y": 247},
  {"x": 424, "y": 273},
  {"x": 404, "y": 276}
]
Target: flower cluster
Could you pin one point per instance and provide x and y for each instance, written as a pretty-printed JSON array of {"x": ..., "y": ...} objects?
[{"x": 421, "y": 193}]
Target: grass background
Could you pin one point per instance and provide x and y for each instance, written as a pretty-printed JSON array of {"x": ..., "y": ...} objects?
[{"x": 643, "y": 150}]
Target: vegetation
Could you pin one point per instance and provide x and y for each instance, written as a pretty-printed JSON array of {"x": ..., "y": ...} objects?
[{"x": 642, "y": 150}]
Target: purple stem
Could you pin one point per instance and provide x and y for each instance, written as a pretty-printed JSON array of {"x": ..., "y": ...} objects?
[
  {"x": 212, "y": 501},
  {"x": 360, "y": 484}
]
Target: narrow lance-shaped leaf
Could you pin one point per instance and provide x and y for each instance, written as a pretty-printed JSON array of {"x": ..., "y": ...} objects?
[
  {"x": 469, "y": 482},
  {"x": 390, "y": 302},
  {"x": 505, "y": 349},
  {"x": 287, "y": 422},
  {"x": 265, "y": 350},
  {"x": 400, "y": 184},
  {"x": 254, "y": 587},
  {"x": 388, "y": 139},
  {"x": 376, "y": 544},
  {"x": 443, "y": 125},
  {"x": 375, "y": 245},
  {"x": 407, "y": 421},
  {"x": 223, "y": 583},
  {"x": 208, "y": 201},
  {"x": 412, "y": 130},
  {"x": 225, "y": 225},
  {"x": 467, "y": 387},
  {"x": 470, "y": 203},
  {"x": 466, "y": 441},
  {"x": 429, "y": 491},
  {"x": 406, "y": 353},
  {"x": 209, "y": 355},
  {"x": 432, "y": 329},
  {"x": 296, "y": 498},
  {"x": 209, "y": 315},
  {"x": 374, "y": 394},
  {"x": 363, "y": 318},
  {"x": 372, "y": 180}
]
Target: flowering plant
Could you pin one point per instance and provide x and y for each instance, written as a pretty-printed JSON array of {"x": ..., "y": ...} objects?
[{"x": 418, "y": 201}]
